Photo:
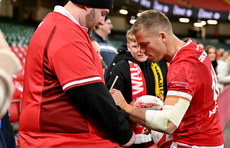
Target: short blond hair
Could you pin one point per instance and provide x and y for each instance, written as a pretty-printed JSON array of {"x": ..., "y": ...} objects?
[
  {"x": 153, "y": 20},
  {"x": 130, "y": 36}
]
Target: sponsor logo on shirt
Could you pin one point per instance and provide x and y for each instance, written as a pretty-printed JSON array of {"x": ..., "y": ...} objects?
[
  {"x": 179, "y": 84},
  {"x": 211, "y": 112},
  {"x": 203, "y": 56}
]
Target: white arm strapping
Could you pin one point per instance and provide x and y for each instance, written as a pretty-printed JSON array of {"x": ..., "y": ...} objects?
[{"x": 158, "y": 120}]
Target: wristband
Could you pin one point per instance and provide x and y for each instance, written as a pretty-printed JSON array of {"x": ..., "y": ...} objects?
[{"x": 126, "y": 107}]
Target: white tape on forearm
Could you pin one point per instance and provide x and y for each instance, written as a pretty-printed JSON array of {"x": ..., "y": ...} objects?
[
  {"x": 176, "y": 113},
  {"x": 158, "y": 120}
]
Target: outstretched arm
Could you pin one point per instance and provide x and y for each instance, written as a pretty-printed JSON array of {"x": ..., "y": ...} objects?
[
  {"x": 95, "y": 100},
  {"x": 166, "y": 120}
]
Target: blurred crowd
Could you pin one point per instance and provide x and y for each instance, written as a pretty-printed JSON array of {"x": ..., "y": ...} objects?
[{"x": 221, "y": 63}]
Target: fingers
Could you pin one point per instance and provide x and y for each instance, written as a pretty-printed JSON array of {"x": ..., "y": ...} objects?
[
  {"x": 114, "y": 90},
  {"x": 117, "y": 96},
  {"x": 146, "y": 131}
]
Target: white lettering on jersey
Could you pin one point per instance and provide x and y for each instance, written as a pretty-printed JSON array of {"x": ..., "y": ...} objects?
[
  {"x": 215, "y": 89},
  {"x": 203, "y": 56},
  {"x": 197, "y": 47},
  {"x": 211, "y": 112},
  {"x": 40, "y": 24}
]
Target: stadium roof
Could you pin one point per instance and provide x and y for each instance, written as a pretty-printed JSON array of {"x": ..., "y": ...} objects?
[{"x": 215, "y": 5}]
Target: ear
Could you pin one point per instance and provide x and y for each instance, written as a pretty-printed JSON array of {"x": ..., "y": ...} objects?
[
  {"x": 85, "y": 7},
  {"x": 128, "y": 46},
  {"x": 163, "y": 36}
]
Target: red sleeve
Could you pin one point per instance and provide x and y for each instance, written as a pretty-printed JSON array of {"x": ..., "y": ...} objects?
[
  {"x": 75, "y": 64},
  {"x": 182, "y": 80}
]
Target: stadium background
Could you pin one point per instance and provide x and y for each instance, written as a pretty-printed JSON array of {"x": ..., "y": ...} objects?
[{"x": 17, "y": 13}]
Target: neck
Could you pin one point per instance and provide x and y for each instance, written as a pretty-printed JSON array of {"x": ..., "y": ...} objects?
[
  {"x": 174, "y": 44},
  {"x": 76, "y": 11},
  {"x": 101, "y": 34}
]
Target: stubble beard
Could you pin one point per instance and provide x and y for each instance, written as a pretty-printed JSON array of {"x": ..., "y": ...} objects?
[{"x": 90, "y": 21}]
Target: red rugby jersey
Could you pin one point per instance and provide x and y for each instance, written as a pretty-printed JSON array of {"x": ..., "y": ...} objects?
[
  {"x": 191, "y": 76},
  {"x": 57, "y": 63}
]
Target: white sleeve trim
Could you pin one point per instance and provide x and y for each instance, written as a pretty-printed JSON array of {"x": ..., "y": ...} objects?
[
  {"x": 106, "y": 48},
  {"x": 82, "y": 81},
  {"x": 180, "y": 94}
]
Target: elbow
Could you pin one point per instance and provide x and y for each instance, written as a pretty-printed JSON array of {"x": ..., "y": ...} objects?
[{"x": 171, "y": 128}]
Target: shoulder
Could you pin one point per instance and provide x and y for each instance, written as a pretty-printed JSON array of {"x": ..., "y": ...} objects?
[
  {"x": 121, "y": 70},
  {"x": 97, "y": 37},
  {"x": 221, "y": 62},
  {"x": 53, "y": 25},
  {"x": 121, "y": 66},
  {"x": 188, "y": 50}
]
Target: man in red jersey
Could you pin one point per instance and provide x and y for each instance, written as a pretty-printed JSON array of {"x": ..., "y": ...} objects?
[
  {"x": 65, "y": 101},
  {"x": 190, "y": 111}
]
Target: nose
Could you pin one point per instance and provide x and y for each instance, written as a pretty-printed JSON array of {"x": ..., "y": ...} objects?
[
  {"x": 102, "y": 20},
  {"x": 141, "y": 50}
]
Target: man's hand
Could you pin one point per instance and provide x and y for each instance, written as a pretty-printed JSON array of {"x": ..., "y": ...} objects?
[
  {"x": 118, "y": 97},
  {"x": 120, "y": 101}
]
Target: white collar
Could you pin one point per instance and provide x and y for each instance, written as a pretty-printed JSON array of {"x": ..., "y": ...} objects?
[
  {"x": 66, "y": 13},
  {"x": 188, "y": 42}
]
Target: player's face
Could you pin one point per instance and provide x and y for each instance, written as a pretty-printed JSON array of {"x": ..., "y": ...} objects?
[
  {"x": 134, "y": 49},
  {"x": 151, "y": 45},
  {"x": 95, "y": 18}
]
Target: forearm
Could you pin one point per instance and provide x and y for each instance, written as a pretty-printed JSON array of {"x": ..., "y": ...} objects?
[
  {"x": 166, "y": 120},
  {"x": 100, "y": 105},
  {"x": 137, "y": 115}
]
